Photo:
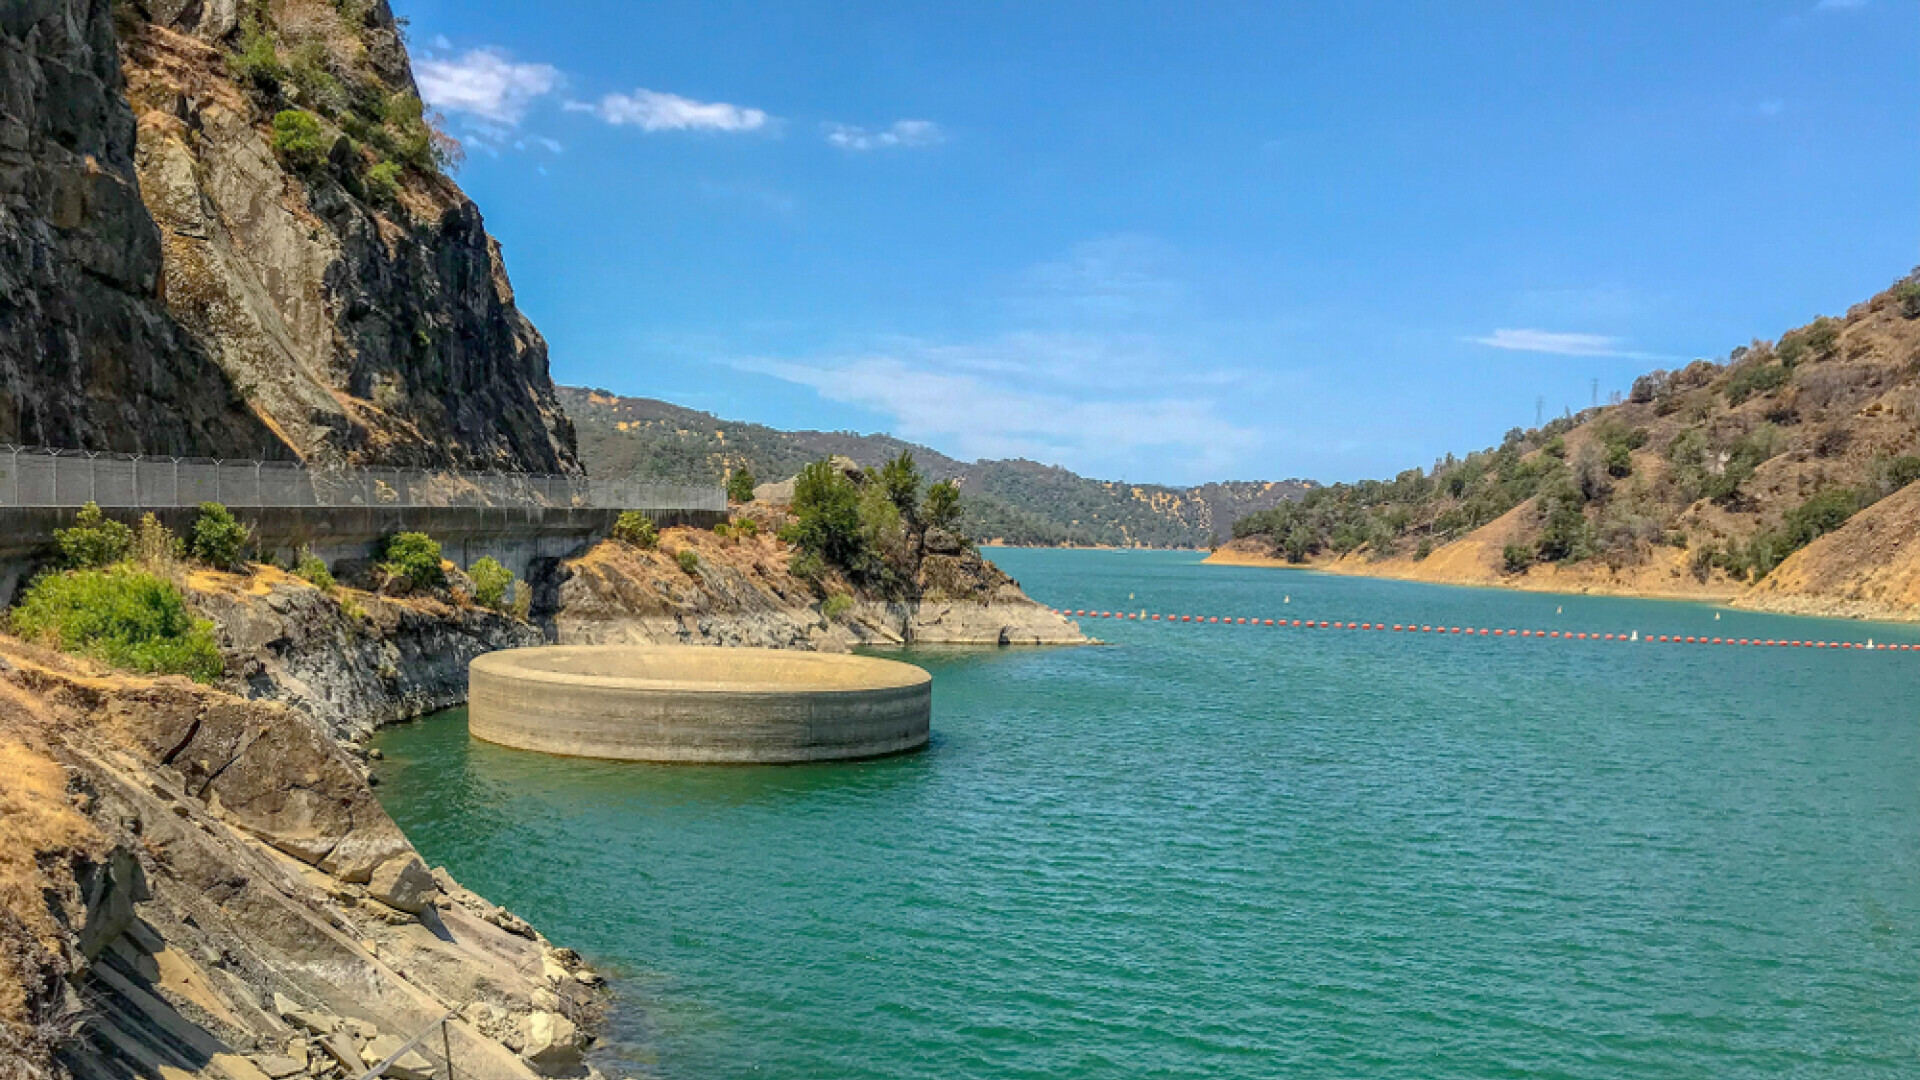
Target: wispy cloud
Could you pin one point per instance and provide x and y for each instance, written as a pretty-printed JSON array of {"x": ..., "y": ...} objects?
[
  {"x": 652, "y": 110},
  {"x": 1840, "y": 5},
  {"x": 1770, "y": 107},
  {"x": 486, "y": 84},
  {"x": 1562, "y": 344},
  {"x": 973, "y": 415},
  {"x": 900, "y": 133}
]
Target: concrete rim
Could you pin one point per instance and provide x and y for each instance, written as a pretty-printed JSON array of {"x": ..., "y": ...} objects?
[{"x": 547, "y": 663}]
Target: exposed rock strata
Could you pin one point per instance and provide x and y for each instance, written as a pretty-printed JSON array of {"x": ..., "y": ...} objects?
[{"x": 200, "y": 883}]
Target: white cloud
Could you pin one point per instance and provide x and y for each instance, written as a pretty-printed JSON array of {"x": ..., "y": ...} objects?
[
  {"x": 1562, "y": 344},
  {"x": 900, "y": 133},
  {"x": 972, "y": 417},
  {"x": 484, "y": 83},
  {"x": 651, "y": 110},
  {"x": 1839, "y": 5}
]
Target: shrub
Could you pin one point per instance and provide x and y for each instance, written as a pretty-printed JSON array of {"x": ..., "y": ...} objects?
[
  {"x": 414, "y": 558},
  {"x": 522, "y": 600},
  {"x": 317, "y": 87},
  {"x": 723, "y": 530},
  {"x": 256, "y": 65},
  {"x": 942, "y": 508},
  {"x": 808, "y": 566},
  {"x": 121, "y": 616},
  {"x": 155, "y": 548},
  {"x": 826, "y": 507},
  {"x": 740, "y": 486},
  {"x": 1754, "y": 379},
  {"x": 1517, "y": 557},
  {"x": 1907, "y": 295},
  {"x": 299, "y": 140},
  {"x": 746, "y": 527},
  {"x": 490, "y": 582},
  {"x": 383, "y": 182},
  {"x": 636, "y": 528},
  {"x": 836, "y": 605},
  {"x": 313, "y": 570},
  {"x": 218, "y": 539},
  {"x": 688, "y": 559},
  {"x": 94, "y": 540}
]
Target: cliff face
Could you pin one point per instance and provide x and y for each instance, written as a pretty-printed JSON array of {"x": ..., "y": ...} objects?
[
  {"x": 204, "y": 290},
  {"x": 90, "y": 355}
]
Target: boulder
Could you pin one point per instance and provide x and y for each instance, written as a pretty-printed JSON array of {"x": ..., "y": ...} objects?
[
  {"x": 553, "y": 1043},
  {"x": 403, "y": 883}
]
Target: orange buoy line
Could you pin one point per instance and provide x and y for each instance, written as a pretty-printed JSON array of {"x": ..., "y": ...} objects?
[{"x": 1633, "y": 637}]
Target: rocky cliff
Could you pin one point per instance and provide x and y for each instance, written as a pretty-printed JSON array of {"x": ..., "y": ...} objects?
[
  {"x": 196, "y": 884},
  {"x": 229, "y": 231}
]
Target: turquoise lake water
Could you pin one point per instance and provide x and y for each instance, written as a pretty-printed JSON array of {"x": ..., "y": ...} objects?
[{"x": 1248, "y": 852}]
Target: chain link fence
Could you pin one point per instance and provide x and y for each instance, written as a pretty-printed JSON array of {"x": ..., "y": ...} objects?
[{"x": 38, "y": 476}]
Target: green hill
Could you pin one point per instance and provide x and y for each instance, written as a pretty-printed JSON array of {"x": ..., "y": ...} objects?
[{"x": 1013, "y": 501}]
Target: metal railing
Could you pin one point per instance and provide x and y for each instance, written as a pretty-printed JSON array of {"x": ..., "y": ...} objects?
[{"x": 40, "y": 476}]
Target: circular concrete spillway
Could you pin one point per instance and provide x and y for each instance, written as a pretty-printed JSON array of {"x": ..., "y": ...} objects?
[{"x": 636, "y": 703}]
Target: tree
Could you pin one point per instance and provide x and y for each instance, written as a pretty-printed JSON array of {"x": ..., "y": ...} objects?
[
  {"x": 942, "y": 509},
  {"x": 414, "y": 558},
  {"x": 490, "y": 582},
  {"x": 740, "y": 485},
  {"x": 900, "y": 479},
  {"x": 826, "y": 508}
]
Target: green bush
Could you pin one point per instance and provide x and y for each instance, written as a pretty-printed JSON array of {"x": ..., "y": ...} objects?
[
  {"x": 836, "y": 605},
  {"x": 218, "y": 539},
  {"x": 414, "y": 558},
  {"x": 317, "y": 88},
  {"x": 490, "y": 582},
  {"x": 94, "y": 540},
  {"x": 1754, "y": 379},
  {"x": 808, "y": 566},
  {"x": 826, "y": 507},
  {"x": 740, "y": 485},
  {"x": 300, "y": 140},
  {"x": 723, "y": 530},
  {"x": 313, "y": 570},
  {"x": 688, "y": 559},
  {"x": 746, "y": 527},
  {"x": 383, "y": 182},
  {"x": 1907, "y": 295},
  {"x": 942, "y": 509},
  {"x": 1517, "y": 556},
  {"x": 256, "y": 65},
  {"x": 636, "y": 528},
  {"x": 122, "y": 616}
]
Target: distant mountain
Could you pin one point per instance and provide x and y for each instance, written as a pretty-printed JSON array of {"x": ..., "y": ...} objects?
[{"x": 1013, "y": 501}]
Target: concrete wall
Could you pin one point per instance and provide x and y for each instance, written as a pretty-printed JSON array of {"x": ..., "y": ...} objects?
[
  {"x": 519, "y": 537},
  {"x": 775, "y": 707}
]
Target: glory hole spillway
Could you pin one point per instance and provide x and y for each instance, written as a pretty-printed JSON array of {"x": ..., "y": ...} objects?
[{"x": 683, "y": 704}]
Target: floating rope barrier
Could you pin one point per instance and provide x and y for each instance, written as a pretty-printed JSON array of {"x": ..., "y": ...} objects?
[{"x": 1631, "y": 637}]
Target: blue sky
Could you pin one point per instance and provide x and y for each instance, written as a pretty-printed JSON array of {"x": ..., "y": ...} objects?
[{"x": 1177, "y": 242}]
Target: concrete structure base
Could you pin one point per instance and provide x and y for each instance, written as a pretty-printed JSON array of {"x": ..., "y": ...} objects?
[{"x": 687, "y": 704}]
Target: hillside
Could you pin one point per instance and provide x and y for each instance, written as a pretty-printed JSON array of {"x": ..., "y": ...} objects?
[
  {"x": 229, "y": 230},
  {"x": 1010, "y": 501},
  {"x": 1782, "y": 475}
]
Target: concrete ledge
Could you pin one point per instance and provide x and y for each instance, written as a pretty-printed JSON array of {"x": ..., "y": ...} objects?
[{"x": 640, "y": 703}]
